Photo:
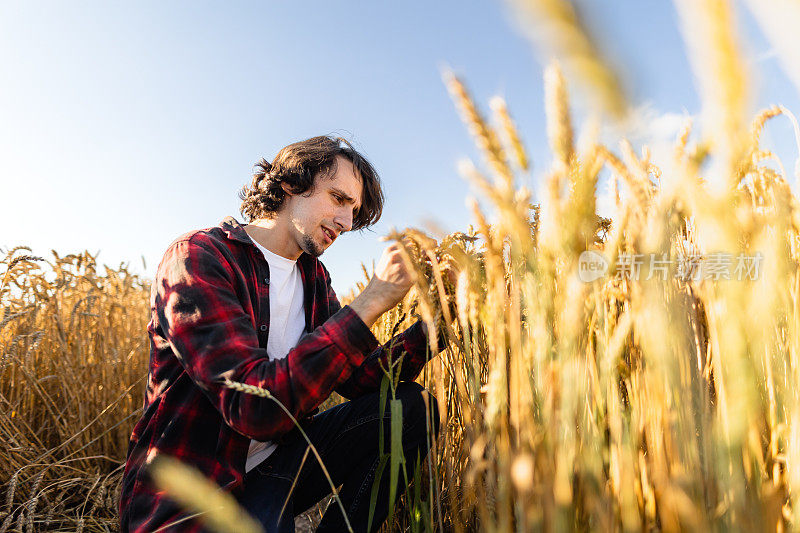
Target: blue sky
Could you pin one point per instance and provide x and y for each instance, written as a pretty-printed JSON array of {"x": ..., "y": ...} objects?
[{"x": 122, "y": 126}]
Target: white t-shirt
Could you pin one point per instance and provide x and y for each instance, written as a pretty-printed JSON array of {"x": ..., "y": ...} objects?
[{"x": 286, "y": 325}]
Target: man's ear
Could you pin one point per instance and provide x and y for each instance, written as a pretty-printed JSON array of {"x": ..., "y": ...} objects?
[{"x": 286, "y": 189}]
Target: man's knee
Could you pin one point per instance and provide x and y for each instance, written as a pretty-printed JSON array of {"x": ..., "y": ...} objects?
[{"x": 420, "y": 408}]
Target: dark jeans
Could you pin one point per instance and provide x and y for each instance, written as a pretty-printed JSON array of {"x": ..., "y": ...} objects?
[{"x": 346, "y": 437}]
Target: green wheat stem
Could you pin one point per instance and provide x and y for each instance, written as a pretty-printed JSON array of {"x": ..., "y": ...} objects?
[{"x": 264, "y": 393}]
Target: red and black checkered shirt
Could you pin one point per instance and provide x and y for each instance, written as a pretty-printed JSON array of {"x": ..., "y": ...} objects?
[{"x": 209, "y": 322}]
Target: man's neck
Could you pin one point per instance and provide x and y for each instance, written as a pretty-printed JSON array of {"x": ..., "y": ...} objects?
[{"x": 274, "y": 235}]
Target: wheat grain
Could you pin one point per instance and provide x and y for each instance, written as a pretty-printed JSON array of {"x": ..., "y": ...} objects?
[
  {"x": 6, "y": 523},
  {"x": 559, "y": 123},
  {"x": 12, "y": 487},
  {"x": 30, "y": 506},
  {"x": 485, "y": 136},
  {"x": 513, "y": 139},
  {"x": 556, "y": 26},
  {"x": 217, "y": 509}
]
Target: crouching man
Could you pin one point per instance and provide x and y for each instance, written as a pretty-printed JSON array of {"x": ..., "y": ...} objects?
[{"x": 253, "y": 304}]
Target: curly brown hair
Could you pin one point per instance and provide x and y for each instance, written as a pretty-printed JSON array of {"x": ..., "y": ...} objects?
[{"x": 298, "y": 165}]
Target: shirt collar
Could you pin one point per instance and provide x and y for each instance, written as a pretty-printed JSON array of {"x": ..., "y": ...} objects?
[{"x": 236, "y": 232}]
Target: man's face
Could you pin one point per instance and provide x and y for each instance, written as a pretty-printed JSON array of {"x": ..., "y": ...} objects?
[{"x": 318, "y": 219}]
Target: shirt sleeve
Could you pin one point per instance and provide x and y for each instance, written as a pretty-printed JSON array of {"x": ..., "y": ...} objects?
[
  {"x": 201, "y": 305},
  {"x": 411, "y": 344}
]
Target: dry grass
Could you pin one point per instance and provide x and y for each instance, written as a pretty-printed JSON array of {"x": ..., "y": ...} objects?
[{"x": 74, "y": 358}]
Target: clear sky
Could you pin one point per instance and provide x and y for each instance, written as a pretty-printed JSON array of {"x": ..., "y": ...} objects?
[{"x": 124, "y": 125}]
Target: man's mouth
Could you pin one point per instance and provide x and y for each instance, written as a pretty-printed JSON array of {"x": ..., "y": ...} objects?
[{"x": 329, "y": 234}]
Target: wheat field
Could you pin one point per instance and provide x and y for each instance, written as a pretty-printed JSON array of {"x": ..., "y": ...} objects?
[{"x": 661, "y": 394}]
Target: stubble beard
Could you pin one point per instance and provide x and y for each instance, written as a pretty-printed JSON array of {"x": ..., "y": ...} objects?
[{"x": 310, "y": 247}]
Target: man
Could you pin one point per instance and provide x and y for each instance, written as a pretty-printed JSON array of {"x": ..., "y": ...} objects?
[{"x": 253, "y": 304}]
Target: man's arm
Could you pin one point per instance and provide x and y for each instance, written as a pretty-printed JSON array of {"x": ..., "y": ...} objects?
[
  {"x": 412, "y": 344},
  {"x": 391, "y": 282},
  {"x": 214, "y": 338}
]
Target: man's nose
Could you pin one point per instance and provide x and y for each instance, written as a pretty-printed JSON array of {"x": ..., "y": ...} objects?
[{"x": 344, "y": 220}]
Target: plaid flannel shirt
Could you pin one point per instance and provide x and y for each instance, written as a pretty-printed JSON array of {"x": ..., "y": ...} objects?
[{"x": 209, "y": 322}]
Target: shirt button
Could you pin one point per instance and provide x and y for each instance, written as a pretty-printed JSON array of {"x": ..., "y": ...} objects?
[
  {"x": 263, "y": 327},
  {"x": 266, "y": 280}
]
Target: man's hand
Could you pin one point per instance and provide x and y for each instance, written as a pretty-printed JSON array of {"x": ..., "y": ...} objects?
[{"x": 392, "y": 280}]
